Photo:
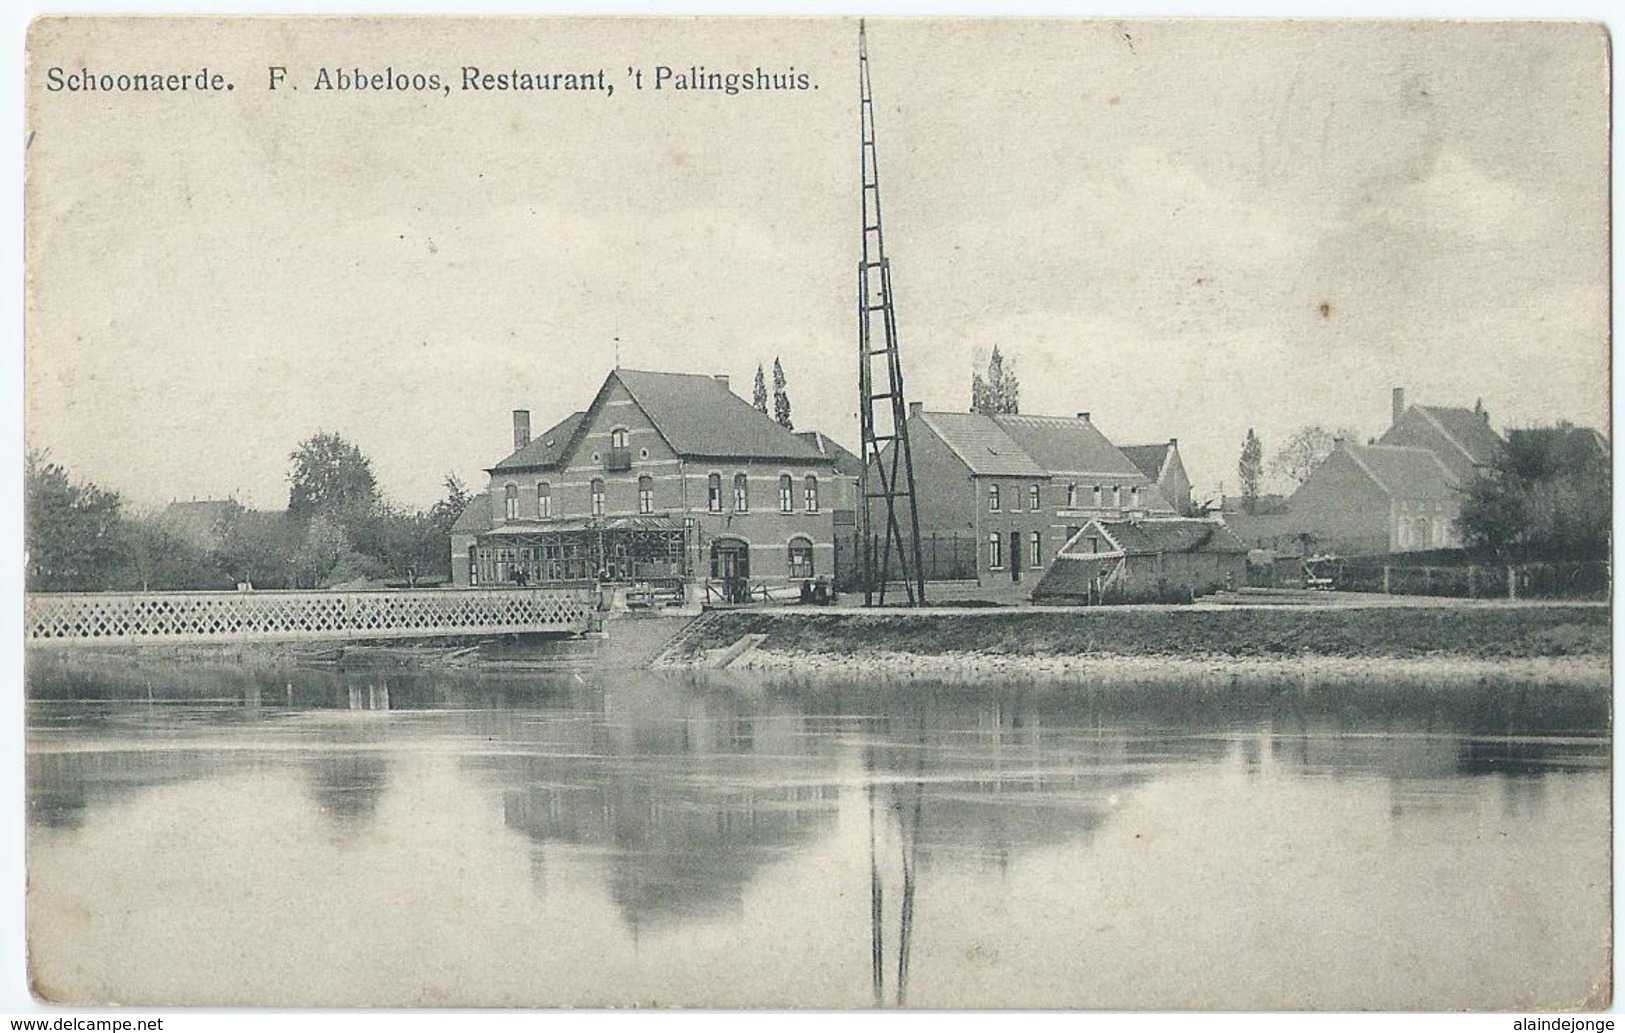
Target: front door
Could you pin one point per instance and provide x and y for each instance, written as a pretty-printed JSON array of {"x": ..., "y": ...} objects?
[
  {"x": 1015, "y": 555},
  {"x": 729, "y": 559}
]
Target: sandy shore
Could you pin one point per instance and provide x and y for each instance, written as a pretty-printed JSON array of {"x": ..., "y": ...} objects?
[{"x": 950, "y": 666}]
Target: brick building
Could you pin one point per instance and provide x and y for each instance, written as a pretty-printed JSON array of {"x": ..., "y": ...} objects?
[
  {"x": 664, "y": 476},
  {"x": 1008, "y": 490}
]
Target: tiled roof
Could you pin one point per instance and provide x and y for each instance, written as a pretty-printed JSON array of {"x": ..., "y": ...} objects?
[
  {"x": 1029, "y": 446},
  {"x": 699, "y": 416},
  {"x": 1405, "y": 472},
  {"x": 1062, "y": 444},
  {"x": 1162, "y": 534},
  {"x": 845, "y": 462},
  {"x": 982, "y": 444},
  {"x": 546, "y": 449},
  {"x": 1069, "y": 577},
  {"x": 1147, "y": 458},
  {"x": 1466, "y": 428},
  {"x": 475, "y": 517}
]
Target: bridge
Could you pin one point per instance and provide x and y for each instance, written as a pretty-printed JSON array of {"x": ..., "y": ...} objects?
[{"x": 127, "y": 618}]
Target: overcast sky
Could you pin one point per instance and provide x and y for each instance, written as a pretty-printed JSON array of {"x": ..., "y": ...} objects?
[{"x": 1186, "y": 228}]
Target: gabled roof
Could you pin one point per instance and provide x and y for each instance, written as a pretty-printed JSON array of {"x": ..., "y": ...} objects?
[
  {"x": 1467, "y": 430},
  {"x": 1155, "y": 535},
  {"x": 698, "y": 416},
  {"x": 1149, "y": 459},
  {"x": 546, "y": 449},
  {"x": 1074, "y": 576},
  {"x": 982, "y": 444},
  {"x": 1009, "y": 445},
  {"x": 475, "y": 517},
  {"x": 1063, "y": 444},
  {"x": 1405, "y": 472},
  {"x": 844, "y": 462}
]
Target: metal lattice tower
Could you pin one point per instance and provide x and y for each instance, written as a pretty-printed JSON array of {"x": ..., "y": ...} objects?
[{"x": 888, "y": 473}]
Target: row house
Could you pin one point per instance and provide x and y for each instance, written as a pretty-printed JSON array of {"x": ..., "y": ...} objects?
[
  {"x": 664, "y": 476},
  {"x": 1013, "y": 489}
]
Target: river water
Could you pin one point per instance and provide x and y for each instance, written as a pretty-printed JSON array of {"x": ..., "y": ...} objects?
[{"x": 363, "y": 838}]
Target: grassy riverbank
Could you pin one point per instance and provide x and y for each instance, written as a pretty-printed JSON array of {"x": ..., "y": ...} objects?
[{"x": 1523, "y": 640}]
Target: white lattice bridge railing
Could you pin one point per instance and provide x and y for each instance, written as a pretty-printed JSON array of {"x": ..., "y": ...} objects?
[{"x": 132, "y": 617}]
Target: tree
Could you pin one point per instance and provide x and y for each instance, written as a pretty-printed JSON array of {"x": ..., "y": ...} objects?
[
  {"x": 758, "y": 395},
  {"x": 1306, "y": 449},
  {"x": 1250, "y": 470},
  {"x": 1547, "y": 493},
  {"x": 331, "y": 477},
  {"x": 445, "y": 512},
  {"x": 1000, "y": 390},
  {"x": 781, "y": 399},
  {"x": 73, "y": 531}
]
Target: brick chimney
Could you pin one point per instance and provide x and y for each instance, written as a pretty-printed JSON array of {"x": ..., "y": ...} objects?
[
  {"x": 1083, "y": 416},
  {"x": 916, "y": 409},
  {"x": 721, "y": 378},
  {"x": 1399, "y": 404},
  {"x": 521, "y": 428}
]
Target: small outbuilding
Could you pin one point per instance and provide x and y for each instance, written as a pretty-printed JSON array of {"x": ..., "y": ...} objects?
[{"x": 1151, "y": 559}]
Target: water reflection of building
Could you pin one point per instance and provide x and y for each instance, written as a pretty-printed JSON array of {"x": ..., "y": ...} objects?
[{"x": 689, "y": 795}]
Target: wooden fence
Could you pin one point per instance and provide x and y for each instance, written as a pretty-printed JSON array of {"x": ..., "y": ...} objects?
[{"x": 185, "y": 617}]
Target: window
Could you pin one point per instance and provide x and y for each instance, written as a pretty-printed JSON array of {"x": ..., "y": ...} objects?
[
  {"x": 473, "y": 565},
  {"x": 810, "y": 491},
  {"x": 713, "y": 497},
  {"x": 544, "y": 500},
  {"x": 1097, "y": 496},
  {"x": 995, "y": 551},
  {"x": 1094, "y": 544},
  {"x": 992, "y": 498},
  {"x": 741, "y": 494},
  {"x": 1071, "y": 496},
  {"x": 1032, "y": 498},
  {"x": 1134, "y": 497},
  {"x": 619, "y": 458},
  {"x": 646, "y": 494},
  {"x": 787, "y": 494},
  {"x": 597, "y": 496},
  {"x": 1036, "y": 557},
  {"x": 1117, "y": 496},
  {"x": 510, "y": 502},
  {"x": 801, "y": 557}
]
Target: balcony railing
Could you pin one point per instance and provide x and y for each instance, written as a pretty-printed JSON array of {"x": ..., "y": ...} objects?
[{"x": 618, "y": 459}]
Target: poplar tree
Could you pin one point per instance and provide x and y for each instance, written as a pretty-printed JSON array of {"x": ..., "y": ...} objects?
[
  {"x": 781, "y": 399},
  {"x": 758, "y": 395}
]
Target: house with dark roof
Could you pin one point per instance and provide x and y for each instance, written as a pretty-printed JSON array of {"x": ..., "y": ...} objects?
[
  {"x": 1461, "y": 438},
  {"x": 1006, "y": 491},
  {"x": 1375, "y": 499},
  {"x": 1161, "y": 463},
  {"x": 663, "y": 476},
  {"x": 1144, "y": 559}
]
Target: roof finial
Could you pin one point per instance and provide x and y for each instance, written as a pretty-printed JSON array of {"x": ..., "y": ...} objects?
[{"x": 617, "y": 353}]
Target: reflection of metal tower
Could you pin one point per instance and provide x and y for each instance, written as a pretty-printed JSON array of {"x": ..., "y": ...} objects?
[{"x": 888, "y": 476}]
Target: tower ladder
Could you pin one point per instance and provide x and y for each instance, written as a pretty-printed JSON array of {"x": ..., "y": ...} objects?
[{"x": 888, "y": 463}]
